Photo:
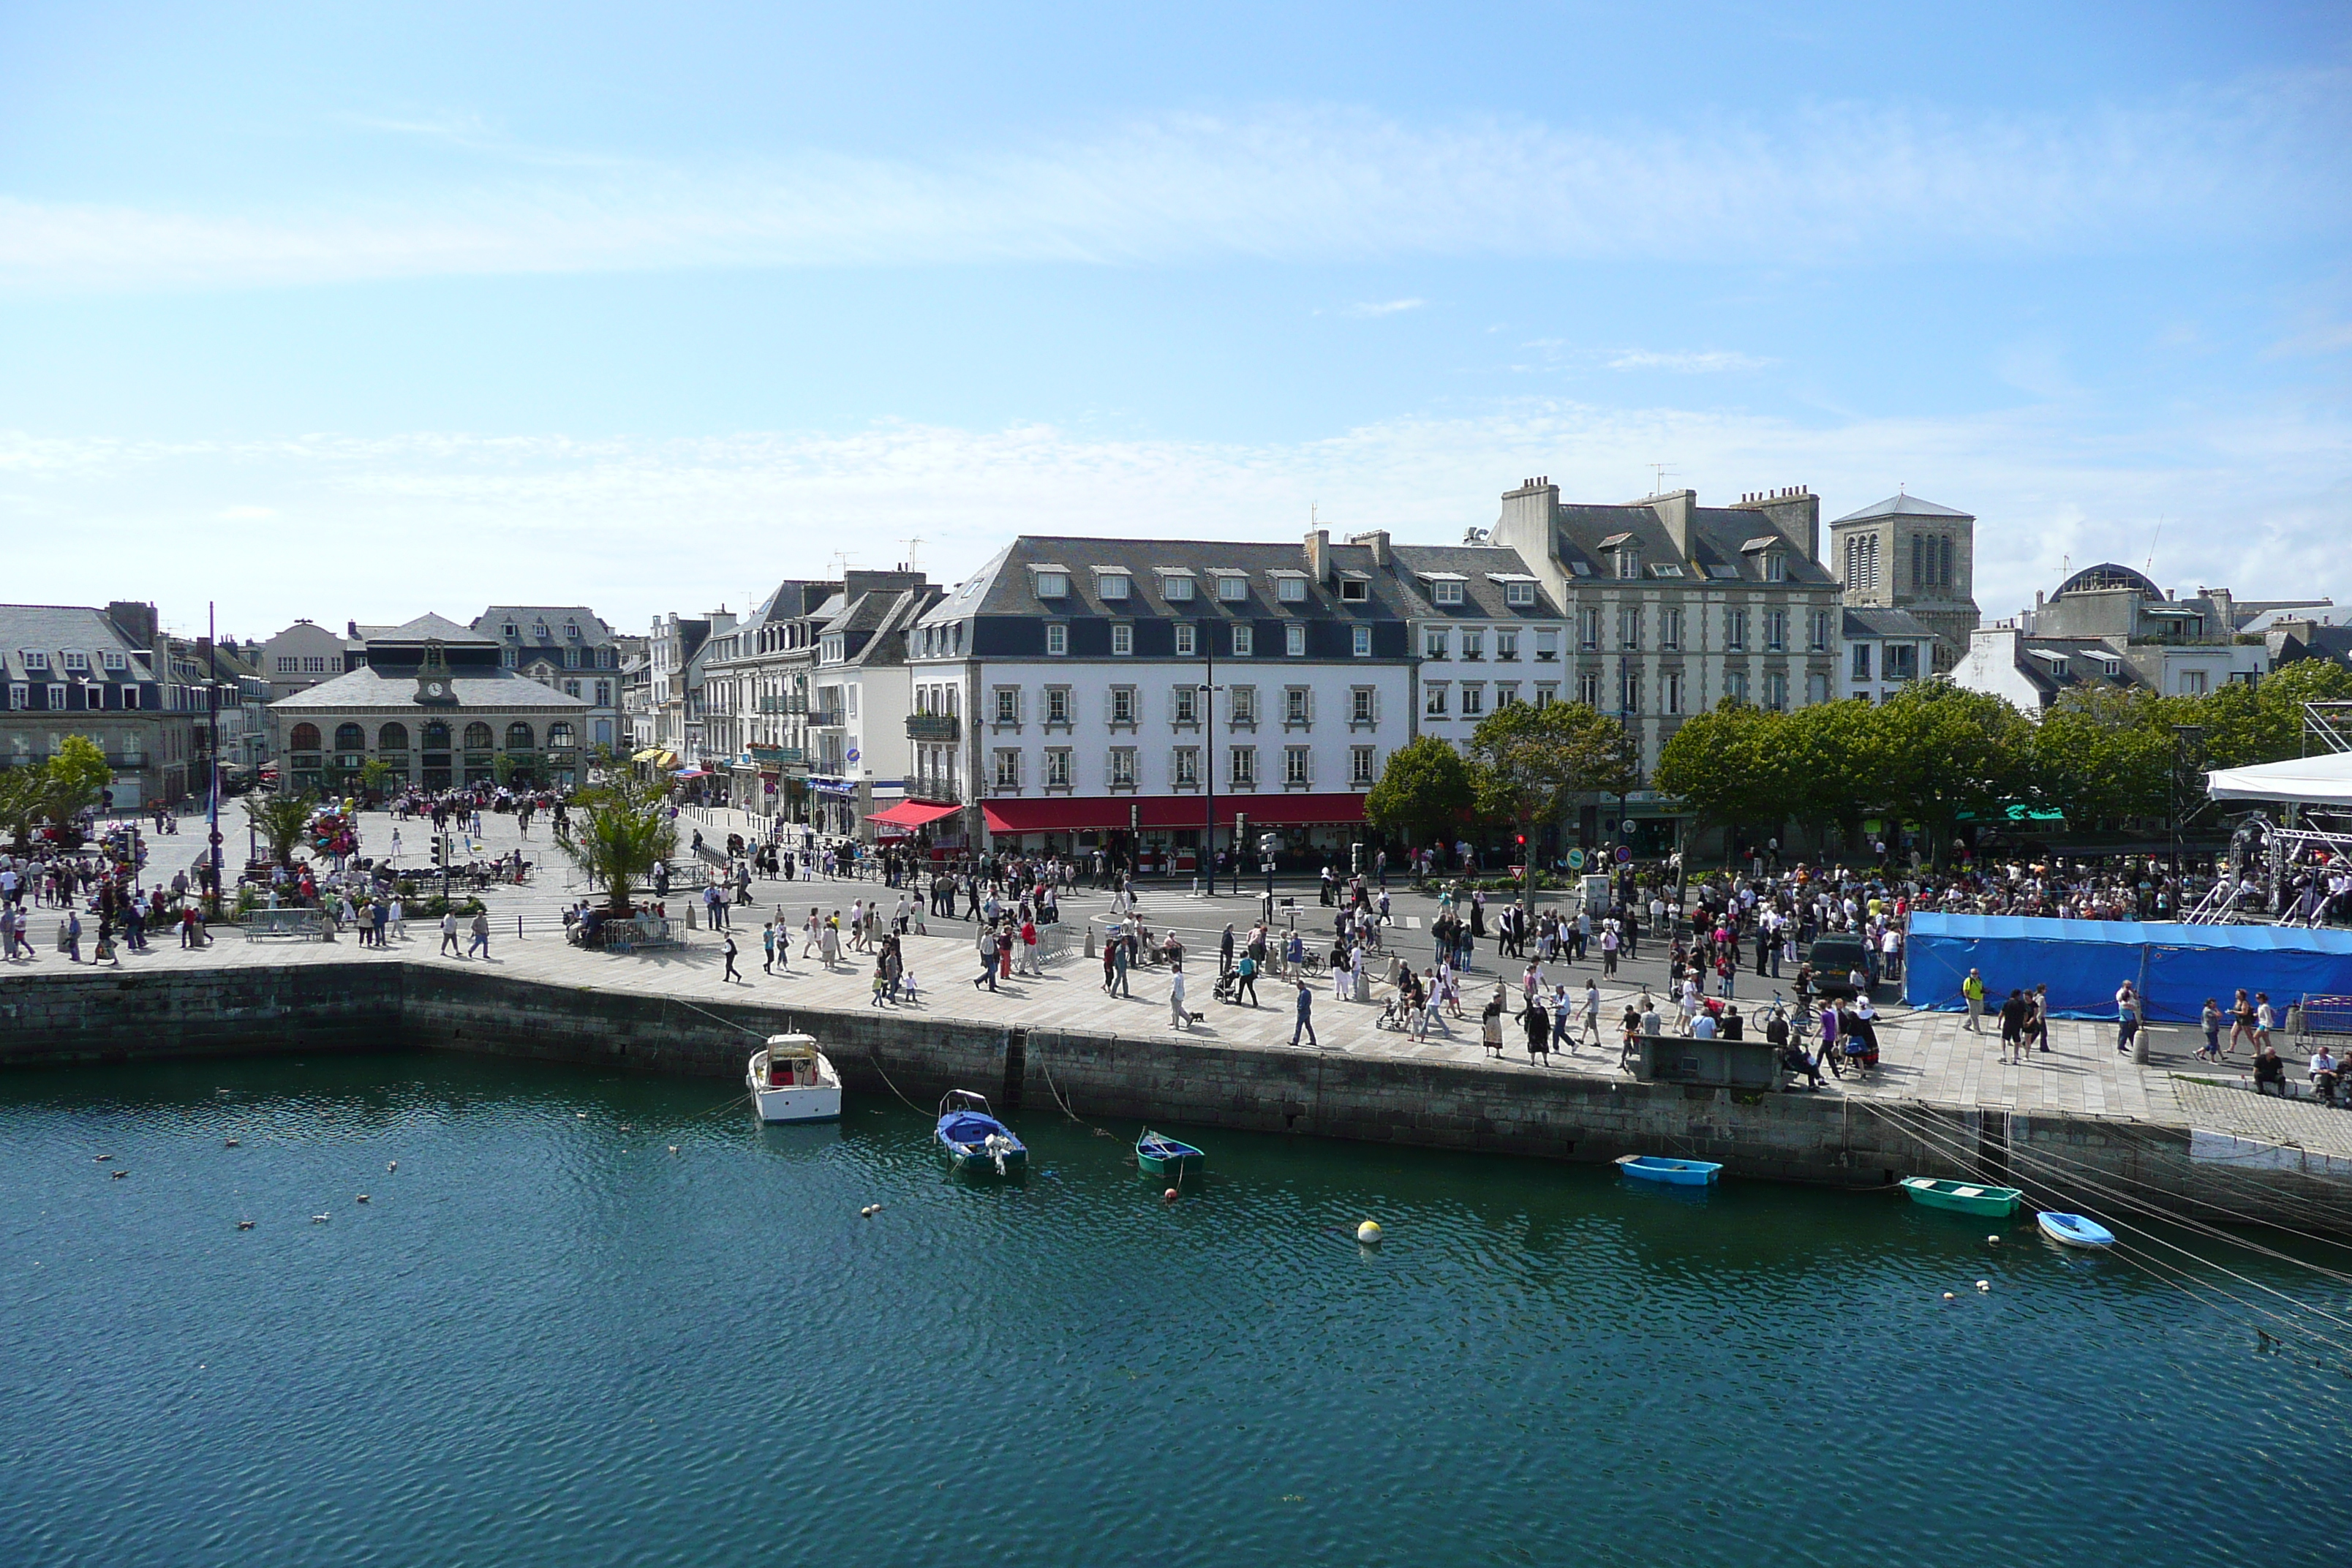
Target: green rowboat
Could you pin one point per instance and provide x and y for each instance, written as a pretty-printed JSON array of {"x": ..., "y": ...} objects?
[
  {"x": 1967, "y": 1197},
  {"x": 1161, "y": 1155}
]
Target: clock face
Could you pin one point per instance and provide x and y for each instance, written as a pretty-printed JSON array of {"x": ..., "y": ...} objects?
[{"x": 435, "y": 689}]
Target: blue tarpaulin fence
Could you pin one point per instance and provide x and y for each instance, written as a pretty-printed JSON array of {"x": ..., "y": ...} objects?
[{"x": 2174, "y": 967}]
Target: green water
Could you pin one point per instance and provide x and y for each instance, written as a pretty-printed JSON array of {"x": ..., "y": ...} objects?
[{"x": 548, "y": 1338}]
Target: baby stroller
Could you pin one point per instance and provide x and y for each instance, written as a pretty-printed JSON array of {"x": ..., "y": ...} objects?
[
  {"x": 1396, "y": 1013},
  {"x": 1228, "y": 985}
]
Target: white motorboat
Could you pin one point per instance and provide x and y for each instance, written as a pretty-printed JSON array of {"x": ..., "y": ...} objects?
[{"x": 791, "y": 1081}]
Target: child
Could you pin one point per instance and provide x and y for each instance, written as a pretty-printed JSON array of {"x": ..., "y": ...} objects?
[
  {"x": 2211, "y": 1050},
  {"x": 768, "y": 948},
  {"x": 907, "y": 982}
]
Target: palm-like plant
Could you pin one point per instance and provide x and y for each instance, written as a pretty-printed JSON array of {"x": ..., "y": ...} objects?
[
  {"x": 24, "y": 802},
  {"x": 619, "y": 833},
  {"x": 281, "y": 820}
]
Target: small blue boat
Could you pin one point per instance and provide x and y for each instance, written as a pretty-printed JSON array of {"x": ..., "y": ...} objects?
[
  {"x": 974, "y": 1140},
  {"x": 1674, "y": 1173},
  {"x": 2075, "y": 1230}
]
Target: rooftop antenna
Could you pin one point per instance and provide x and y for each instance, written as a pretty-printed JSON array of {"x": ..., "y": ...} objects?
[{"x": 913, "y": 545}]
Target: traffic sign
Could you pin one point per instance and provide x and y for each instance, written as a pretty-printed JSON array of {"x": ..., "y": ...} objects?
[
  {"x": 1576, "y": 859},
  {"x": 1624, "y": 854}
]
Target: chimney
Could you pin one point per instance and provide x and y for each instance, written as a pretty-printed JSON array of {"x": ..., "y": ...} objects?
[
  {"x": 1526, "y": 522},
  {"x": 1795, "y": 514},
  {"x": 1674, "y": 510},
  {"x": 1318, "y": 554},
  {"x": 134, "y": 620},
  {"x": 351, "y": 630},
  {"x": 1379, "y": 541}
]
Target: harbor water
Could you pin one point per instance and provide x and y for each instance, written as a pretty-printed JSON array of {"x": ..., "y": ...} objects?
[{"x": 593, "y": 1319}]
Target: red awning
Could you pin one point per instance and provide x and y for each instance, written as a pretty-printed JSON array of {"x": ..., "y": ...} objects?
[
  {"x": 913, "y": 813},
  {"x": 1068, "y": 813}
]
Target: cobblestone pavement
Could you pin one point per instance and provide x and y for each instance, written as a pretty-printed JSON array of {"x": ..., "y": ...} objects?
[
  {"x": 1926, "y": 1056},
  {"x": 2297, "y": 1123}
]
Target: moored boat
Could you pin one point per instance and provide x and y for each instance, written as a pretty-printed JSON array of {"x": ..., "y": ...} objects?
[
  {"x": 1164, "y": 1156},
  {"x": 973, "y": 1138},
  {"x": 1964, "y": 1197},
  {"x": 1672, "y": 1173},
  {"x": 2074, "y": 1229},
  {"x": 790, "y": 1080}
]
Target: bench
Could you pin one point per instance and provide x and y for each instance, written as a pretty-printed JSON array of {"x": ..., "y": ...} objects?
[{"x": 301, "y": 924}]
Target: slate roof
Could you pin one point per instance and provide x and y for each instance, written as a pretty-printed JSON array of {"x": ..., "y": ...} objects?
[
  {"x": 2087, "y": 658},
  {"x": 527, "y": 618},
  {"x": 1719, "y": 537},
  {"x": 1903, "y": 506},
  {"x": 1478, "y": 565},
  {"x": 55, "y": 629},
  {"x": 425, "y": 627},
  {"x": 1868, "y": 623},
  {"x": 1005, "y": 586},
  {"x": 367, "y": 689}
]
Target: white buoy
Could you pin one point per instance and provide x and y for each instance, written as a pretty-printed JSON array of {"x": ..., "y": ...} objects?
[
  {"x": 362, "y": 1198},
  {"x": 118, "y": 1176},
  {"x": 1992, "y": 1241},
  {"x": 1369, "y": 1233},
  {"x": 392, "y": 1164},
  {"x": 320, "y": 1218},
  {"x": 230, "y": 1144},
  {"x": 245, "y": 1224},
  {"x": 1984, "y": 1284},
  {"x": 1950, "y": 1297},
  {"x": 672, "y": 1148}
]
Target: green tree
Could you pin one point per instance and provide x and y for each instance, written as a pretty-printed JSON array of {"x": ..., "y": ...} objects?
[
  {"x": 281, "y": 820},
  {"x": 1936, "y": 750},
  {"x": 620, "y": 830},
  {"x": 1424, "y": 790},
  {"x": 374, "y": 772},
  {"x": 2102, "y": 755},
  {"x": 1530, "y": 760},
  {"x": 502, "y": 768},
  {"x": 2264, "y": 722},
  {"x": 1728, "y": 767},
  {"x": 24, "y": 802},
  {"x": 1824, "y": 759},
  {"x": 78, "y": 777}
]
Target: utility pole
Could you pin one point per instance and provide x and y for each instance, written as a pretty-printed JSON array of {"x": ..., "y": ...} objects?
[{"x": 212, "y": 810}]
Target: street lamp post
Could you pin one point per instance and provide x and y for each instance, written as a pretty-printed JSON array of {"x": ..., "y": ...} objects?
[{"x": 1209, "y": 761}]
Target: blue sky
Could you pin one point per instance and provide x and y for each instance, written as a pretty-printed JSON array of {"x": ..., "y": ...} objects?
[{"x": 352, "y": 312}]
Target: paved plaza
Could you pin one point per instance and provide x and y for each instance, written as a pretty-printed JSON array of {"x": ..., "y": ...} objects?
[{"x": 1926, "y": 1056}]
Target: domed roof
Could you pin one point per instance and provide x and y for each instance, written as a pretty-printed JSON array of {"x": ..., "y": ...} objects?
[{"x": 2109, "y": 574}]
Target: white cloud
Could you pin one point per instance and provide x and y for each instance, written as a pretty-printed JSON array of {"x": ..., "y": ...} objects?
[
  {"x": 635, "y": 527},
  {"x": 1386, "y": 307},
  {"x": 1686, "y": 364},
  {"x": 1830, "y": 183}
]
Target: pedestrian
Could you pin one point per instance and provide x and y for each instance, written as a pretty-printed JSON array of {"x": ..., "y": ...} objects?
[
  {"x": 2211, "y": 1020},
  {"x": 1490, "y": 1024},
  {"x": 2264, "y": 1018},
  {"x": 2012, "y": 1027},
  {"x": 1592, "y": 1012},
  {"x": 2126, "y": 1017},
  {"x": 768, "y": 948},
  {"x": 449, "y": 932},
  {"x": 987, "y": 952},
  {"x": 2037, "y": 1028},
  {"x": 2241, "y": 1023},
  {"x": 1972, "y": 990},
  {"x": 1176, "y": 1015},
  {"x": 1538, "y": 1025},
  {"x": 481, "y": 935},
  {"x": 1245, "y": 973},
  {"x": 727, "y": 951},
  {"x": 1306, "y": 1025}
]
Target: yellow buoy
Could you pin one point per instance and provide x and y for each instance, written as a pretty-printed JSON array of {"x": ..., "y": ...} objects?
[{"x": 1369, "y": 1233}]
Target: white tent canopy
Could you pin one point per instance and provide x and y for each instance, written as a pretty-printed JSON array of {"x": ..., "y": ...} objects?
[{"x": 2312, "y": 781}]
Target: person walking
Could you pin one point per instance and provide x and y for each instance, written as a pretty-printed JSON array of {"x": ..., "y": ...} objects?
[
  {"x": 986, "y": 949},
  {"x": 1592, "y": 1012},
  {"x": 1245, "y": 977},
  {"x": 2241, "y": 1023},
  {"x": 2012, "y": 1028},
  {"x": 727, "y": 951},
  {"x": 1609, "y": 948},
  {"x": 768, "y": 948},
  {"x": 2037, "y": 1025},
  {"x": 2126, "y": 1017},
  {"x": 2210, "y": 1021},
  {"x": 449, "y": 932},
  {"x": 829, "y": 940},
  {"x": 1538, "y": 1025},
  {"x": 480, "y": 930},
  {"x": 1119, "y": 958},
  {"x": 2264, "y": 1018},
  {"x": 1178, "y": 1017},
  {"x": 1972, "y": 992},
  {"x": 1306, "y": 1025}
]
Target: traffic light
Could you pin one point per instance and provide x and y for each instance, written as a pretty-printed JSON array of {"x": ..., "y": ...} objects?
[
  {"x": 1355, "y": 859},
  {"x": 1523, "y": 841}
]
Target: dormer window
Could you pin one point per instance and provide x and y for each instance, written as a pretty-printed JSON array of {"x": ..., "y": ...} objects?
[
  {"x": 1518, "y": 594},
  {"x": 1446, "y": 591},
  {"x": 1176, "y": 587},
  {"x": 111, "y": 659},
  {"x": 513, "y": 630},
  {"x": 76, "y": 662},
  {"x": 1354, "y": 591},
  {"x": 1232, "y": 587},
  {"x": 1776, "y": 567},
  {"x": 540, "y": 631},
  {"x": 35, "y": 659},
  {"x": 1289, "y": 588},
  {"x": 1111, "y": 584},
  {"x": 572, "y": 631},
  {"x": 1052, "y": 585}
]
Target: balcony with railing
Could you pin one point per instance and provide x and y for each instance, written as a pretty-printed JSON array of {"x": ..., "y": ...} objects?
[{"x": 932, "y": 727}]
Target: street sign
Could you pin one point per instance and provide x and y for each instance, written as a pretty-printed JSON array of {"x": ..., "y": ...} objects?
[
  {"x": 1576, "y": 859},
  {"x": 1629, "y": 826},
  {"x": 1624, "y": 854},
  {"x": 851, "y": 753}
]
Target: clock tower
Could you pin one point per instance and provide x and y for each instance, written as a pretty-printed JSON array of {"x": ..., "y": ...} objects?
[{"x": 434, "y": 689}]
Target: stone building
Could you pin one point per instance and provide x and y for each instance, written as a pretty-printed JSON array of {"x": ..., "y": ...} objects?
[
  {"x": 567, "y": 647},
  {"x": 1905, "y": 554},
  {"x": 437, "y": 703},
  {"x": 109, "y": 675},
  {"x": 304, "y": 655}
]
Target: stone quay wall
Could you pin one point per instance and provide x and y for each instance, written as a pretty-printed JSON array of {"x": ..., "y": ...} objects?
[{"x": 104, "y": 1017}]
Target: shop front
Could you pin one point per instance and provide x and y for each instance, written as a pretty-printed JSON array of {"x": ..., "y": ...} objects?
[{"x": 1164, "y": 834}]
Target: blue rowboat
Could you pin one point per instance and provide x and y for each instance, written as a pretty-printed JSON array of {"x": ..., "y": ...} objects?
[
  {"x": 1674, "y": 1173},
  {"x": 2075, "y": 1230}
]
